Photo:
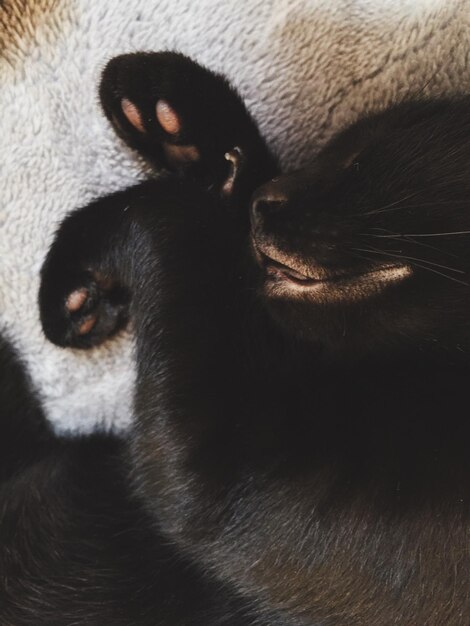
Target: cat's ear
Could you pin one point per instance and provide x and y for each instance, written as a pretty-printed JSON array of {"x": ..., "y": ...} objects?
[{"x": 184, "y": 118}]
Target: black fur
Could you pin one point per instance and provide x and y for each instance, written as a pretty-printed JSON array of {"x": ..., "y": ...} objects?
[
  {"x": 76, "y": 546},
  {"x": 301, "y": 431}
]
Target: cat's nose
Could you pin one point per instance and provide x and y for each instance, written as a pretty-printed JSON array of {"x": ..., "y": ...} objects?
[{"x": 267, "y": 200}]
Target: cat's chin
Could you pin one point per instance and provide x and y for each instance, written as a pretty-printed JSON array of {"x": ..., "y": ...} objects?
[
  {"x": 284, "y": 278},
  {"x": 344, "y": 288}
]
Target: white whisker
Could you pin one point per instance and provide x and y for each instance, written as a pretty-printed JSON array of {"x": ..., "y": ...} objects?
[
  {"x": 393, "y": 235},
  {"x": 455, "y": 232},
  {"x": 412, "y": 258},
  {"x": 392, "y": 204}
]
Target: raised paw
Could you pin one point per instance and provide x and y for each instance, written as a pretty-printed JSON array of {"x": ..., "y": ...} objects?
[
  {"x": 85, "y": 315},
  {"x": 181, "y": 117}
]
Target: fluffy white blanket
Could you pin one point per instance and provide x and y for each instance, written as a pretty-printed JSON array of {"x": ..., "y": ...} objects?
[{"x": 304, "y": 67}]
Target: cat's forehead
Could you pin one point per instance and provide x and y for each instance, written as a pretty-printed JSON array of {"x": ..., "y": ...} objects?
[{"x": 421, "y": 124}]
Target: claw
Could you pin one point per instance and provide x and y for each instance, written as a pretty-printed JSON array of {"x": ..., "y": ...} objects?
[{"x": 237, "y": 161}]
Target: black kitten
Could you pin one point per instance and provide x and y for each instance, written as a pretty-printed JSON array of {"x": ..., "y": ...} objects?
[{"x": 302, "y": 358}]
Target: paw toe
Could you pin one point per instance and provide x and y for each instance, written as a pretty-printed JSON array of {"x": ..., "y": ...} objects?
[
  {"x": 168, "y": 118},
  {"x": 76, "y": 299},
  {"x": 87, "y": 325},
  {"x": 132, "y": 114}
]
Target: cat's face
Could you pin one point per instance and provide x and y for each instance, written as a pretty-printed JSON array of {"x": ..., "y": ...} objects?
[{"x": 359, "y": 251}]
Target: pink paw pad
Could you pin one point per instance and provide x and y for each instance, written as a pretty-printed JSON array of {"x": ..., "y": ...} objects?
[
  {"x": 133, "y": 114},
  {"x": 87, "y": 325},
  {"x": 76, "y": 299},
  {"x": 167, "y": 117}
]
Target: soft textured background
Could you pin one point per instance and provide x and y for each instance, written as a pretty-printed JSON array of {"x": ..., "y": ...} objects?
[{"x": 305, "y": 69}]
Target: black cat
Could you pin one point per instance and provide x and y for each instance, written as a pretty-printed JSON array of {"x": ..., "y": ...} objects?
[{"x": 300, "y": 439}]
